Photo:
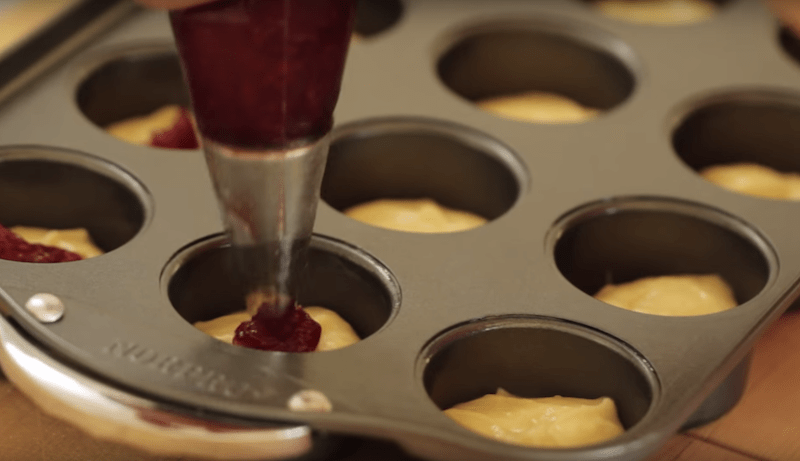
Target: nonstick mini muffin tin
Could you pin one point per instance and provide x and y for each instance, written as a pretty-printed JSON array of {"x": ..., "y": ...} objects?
[{"x": 444, "y": 317}]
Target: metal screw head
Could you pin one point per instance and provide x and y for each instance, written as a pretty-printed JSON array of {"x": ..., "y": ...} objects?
[
  {"x": 45, "y": 307},
  {"x": 310, "y": 400}
]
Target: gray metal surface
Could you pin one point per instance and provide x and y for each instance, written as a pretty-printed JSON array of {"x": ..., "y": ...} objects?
[{"x": 568, "y": 204}]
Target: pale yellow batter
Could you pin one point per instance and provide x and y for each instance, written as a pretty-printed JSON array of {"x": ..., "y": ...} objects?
[
  {"x": 74, "y": 240},
  {"x": 419, "y": 215},
  {"x": 550, "y": 422},
  {"x": 657, "y": 12},
  {"x": 336, "y": 332},
  {"x": 140, "y": 130},
  {"x": 753, "y": 179},
  {"x": 675, "y": 295},
  {"x": 538, "y": 107}
]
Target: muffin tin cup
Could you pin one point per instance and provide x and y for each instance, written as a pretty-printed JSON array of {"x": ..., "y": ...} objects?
[
  {"x": 412, "y": 158},
  {"x": 504, "y": 57},
  {"x": 558, "y": 200},
  {"x": 536, "y": 357},
  {"x": 201, "y": 283},
  {"x": 631, "y": 238},
  {"x": 57, "y": 188},
  {"x": 149, "y": 73}
]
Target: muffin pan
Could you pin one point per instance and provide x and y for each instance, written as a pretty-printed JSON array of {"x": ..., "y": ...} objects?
[{"x": 444, "y": 317}]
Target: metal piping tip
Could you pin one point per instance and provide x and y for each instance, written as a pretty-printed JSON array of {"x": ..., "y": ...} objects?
[{"x": 268, "y": 200}]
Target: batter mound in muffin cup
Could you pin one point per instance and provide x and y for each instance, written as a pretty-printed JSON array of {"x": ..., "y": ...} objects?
[
  {"x": 549, "y": 422},
  {"x": 419, "y": 215},
  {"x": 657, "y": 12}
]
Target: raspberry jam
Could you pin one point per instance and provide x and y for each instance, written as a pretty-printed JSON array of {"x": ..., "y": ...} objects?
[
  {"x": 294, "y": 331},
  {"x": 264, "y": 73},
  {"x": 15, "y": 248},
  {"x": 179, "y": 136}
]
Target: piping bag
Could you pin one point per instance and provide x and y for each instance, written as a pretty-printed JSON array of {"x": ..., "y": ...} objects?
[{"x": 264, "y": 77}]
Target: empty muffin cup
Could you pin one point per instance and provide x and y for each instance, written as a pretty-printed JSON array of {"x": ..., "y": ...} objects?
[
  {"x": 745, "y": 141},
  {"x": 537, "y": 357},
  {"x": 137, "y": 93},
  {"x": 545, "y": 71},
  {"x": 413, "y": 158},
  {"x": 59, "y": 189},
  {"x": 203, "y": 283}
]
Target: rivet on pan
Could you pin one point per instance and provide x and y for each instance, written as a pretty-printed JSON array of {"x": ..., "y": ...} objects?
[
  {"x": 45, "y": 307},
  {"x": 310, "y": 400}
]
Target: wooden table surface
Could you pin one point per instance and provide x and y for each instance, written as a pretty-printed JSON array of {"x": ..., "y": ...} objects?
[{"x": 764, "y": 426}]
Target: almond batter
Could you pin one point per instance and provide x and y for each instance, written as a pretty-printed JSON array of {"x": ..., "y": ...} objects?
[
  {"x": 753, "y": 179},
  {"x": 550, "y": 422},
  {"x": 657, "y": 12},
  {"x": 538, "y": 107},
  {"x": 421, "y": 215},
  {"x": 675, "y": 295}
]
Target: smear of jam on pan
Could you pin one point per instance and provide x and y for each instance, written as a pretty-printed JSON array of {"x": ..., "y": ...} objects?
[{"x": 15, "y": 248}]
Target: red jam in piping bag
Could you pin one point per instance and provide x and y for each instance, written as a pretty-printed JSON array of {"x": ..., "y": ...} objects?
[{"x": 264, "y": 72}]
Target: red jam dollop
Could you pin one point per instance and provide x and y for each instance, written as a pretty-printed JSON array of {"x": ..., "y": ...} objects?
[
  {"x": 264, "y": 73},
  {"x": 294, "y": 331},
  {"x": 15, "y": 248},
  {"x": 180, "y": 136}
]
